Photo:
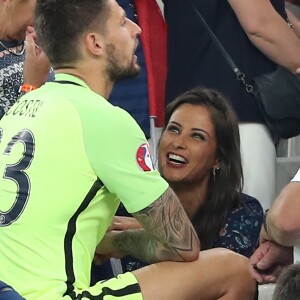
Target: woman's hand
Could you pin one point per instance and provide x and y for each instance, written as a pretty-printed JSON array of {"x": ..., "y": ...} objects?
[
  {"x": 105, "y": 250},
  {"x": 124, "y": 223},
  {"x": 36, "y": 64}
]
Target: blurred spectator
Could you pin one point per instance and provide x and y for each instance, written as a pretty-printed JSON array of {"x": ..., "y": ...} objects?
[
  {"x": 288, "y": 284},
  {"x": 15, "y": 23},
  {"x": 256, "y": 35}
]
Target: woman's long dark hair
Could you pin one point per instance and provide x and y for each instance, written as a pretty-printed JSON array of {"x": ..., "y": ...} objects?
[{"x": 224, "y": 190}]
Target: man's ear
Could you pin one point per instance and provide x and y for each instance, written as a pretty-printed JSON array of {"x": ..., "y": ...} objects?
[{"x": 94, "y": 44}]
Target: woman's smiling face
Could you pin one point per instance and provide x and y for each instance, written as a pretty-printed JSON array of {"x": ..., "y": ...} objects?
[{"x": 188, "y": 145}]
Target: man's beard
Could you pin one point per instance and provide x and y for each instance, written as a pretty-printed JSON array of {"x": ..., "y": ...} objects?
[{"x": 116, "y": 69}]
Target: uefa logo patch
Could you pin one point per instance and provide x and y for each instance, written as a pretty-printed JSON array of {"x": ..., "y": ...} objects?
[{"x": 143, "y": 158}]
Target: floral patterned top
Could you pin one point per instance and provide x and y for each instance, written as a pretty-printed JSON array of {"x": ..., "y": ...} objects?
[
  {"x": 240, "y": 232},
  {"x": 11, "y": 75},
  {"x": 242, "y": 228}
]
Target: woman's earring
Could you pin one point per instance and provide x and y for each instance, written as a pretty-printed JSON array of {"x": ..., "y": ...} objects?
[{"x": 214, "y": 172}]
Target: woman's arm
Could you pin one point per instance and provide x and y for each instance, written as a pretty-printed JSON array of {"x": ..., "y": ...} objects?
[
  {"x": 282, "y": 221},
  {"x": 268, "y": 31},
  {"x": 36, "y": 64}
]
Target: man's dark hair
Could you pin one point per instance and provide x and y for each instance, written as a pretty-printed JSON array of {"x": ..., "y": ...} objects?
[
  {"x": 61, "y": 23},
  {"x": 288, "y": 284}
]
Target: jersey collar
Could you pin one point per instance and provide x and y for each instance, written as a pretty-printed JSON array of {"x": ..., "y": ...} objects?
[{"x": 70, "y": 78}]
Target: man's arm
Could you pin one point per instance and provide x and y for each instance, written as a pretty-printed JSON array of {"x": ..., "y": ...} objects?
[
  {"x": 281, "y": 231},
  {"x": 282, "y": 221},
  {"x": 167, "y": 234},
  {"x": 268, "y": 31}
]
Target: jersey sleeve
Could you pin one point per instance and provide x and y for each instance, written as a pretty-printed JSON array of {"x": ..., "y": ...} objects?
[{"x": 121, "y": 157}]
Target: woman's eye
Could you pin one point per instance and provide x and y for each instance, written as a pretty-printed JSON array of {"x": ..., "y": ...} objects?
[
  {"x": 198, "y": 136},
  {"x": 172, "y": 129}
]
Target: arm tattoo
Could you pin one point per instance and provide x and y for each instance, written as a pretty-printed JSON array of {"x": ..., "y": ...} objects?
[{"x": 167, "y": 233}]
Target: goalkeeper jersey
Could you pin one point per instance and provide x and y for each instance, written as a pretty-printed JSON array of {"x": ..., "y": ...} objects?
[{"x": 66, "y": 158}]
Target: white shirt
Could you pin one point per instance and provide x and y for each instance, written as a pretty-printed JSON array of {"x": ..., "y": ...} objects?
[{"x": 297, "y": 176}]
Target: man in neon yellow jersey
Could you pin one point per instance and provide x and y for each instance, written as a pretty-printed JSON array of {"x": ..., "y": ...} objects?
[{"x": 68, "y": 156}]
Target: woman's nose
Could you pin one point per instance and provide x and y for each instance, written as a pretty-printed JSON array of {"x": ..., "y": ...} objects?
[{"x": 179, "y": 142}]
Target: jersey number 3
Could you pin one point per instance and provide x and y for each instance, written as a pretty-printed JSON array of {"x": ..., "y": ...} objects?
[{"x": 15, "y": 172}]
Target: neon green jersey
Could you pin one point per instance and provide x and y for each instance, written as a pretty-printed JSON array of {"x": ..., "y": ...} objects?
[{"x": 58, "y": 144}]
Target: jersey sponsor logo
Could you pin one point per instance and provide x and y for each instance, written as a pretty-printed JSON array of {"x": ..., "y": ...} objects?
[{"x": 144, "y": 159}]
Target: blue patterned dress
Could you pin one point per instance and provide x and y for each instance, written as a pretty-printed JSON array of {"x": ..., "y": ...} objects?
[{"x": 240, "y": 232}]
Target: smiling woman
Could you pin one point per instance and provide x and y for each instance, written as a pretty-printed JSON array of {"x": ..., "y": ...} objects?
[
  {"x": 199, "y": 156},
  {"x": 188, "y": 145}
]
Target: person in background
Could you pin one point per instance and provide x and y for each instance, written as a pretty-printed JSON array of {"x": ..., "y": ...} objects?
[
  {"x": 288, "y": 284},
  {"x": 256, "y": 34},
  {"x": 279, "y": 233},
  {"x": 67, "y": 160},
  {"x": 16, "y": 27},
  {"x": 199, "y": 156}
]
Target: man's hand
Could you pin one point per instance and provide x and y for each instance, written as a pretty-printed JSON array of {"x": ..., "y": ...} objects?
[
  {"x": 268, "y": 260},
  {"x": 36, "y": 64}
]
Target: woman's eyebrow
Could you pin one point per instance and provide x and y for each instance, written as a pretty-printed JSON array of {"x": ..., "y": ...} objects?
[
  {"x": 199, "y": 129},
  {"x": 193, "y": 129}
]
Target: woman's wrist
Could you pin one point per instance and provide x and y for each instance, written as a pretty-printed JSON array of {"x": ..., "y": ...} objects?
[{"x": 25, "y": 87}]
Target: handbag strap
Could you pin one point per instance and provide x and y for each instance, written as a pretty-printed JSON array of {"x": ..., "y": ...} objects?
[{"x": 239, "y": 74}]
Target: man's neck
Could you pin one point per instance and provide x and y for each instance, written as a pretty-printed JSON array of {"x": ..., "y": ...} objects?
[{"x": 96, "y": 81}]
